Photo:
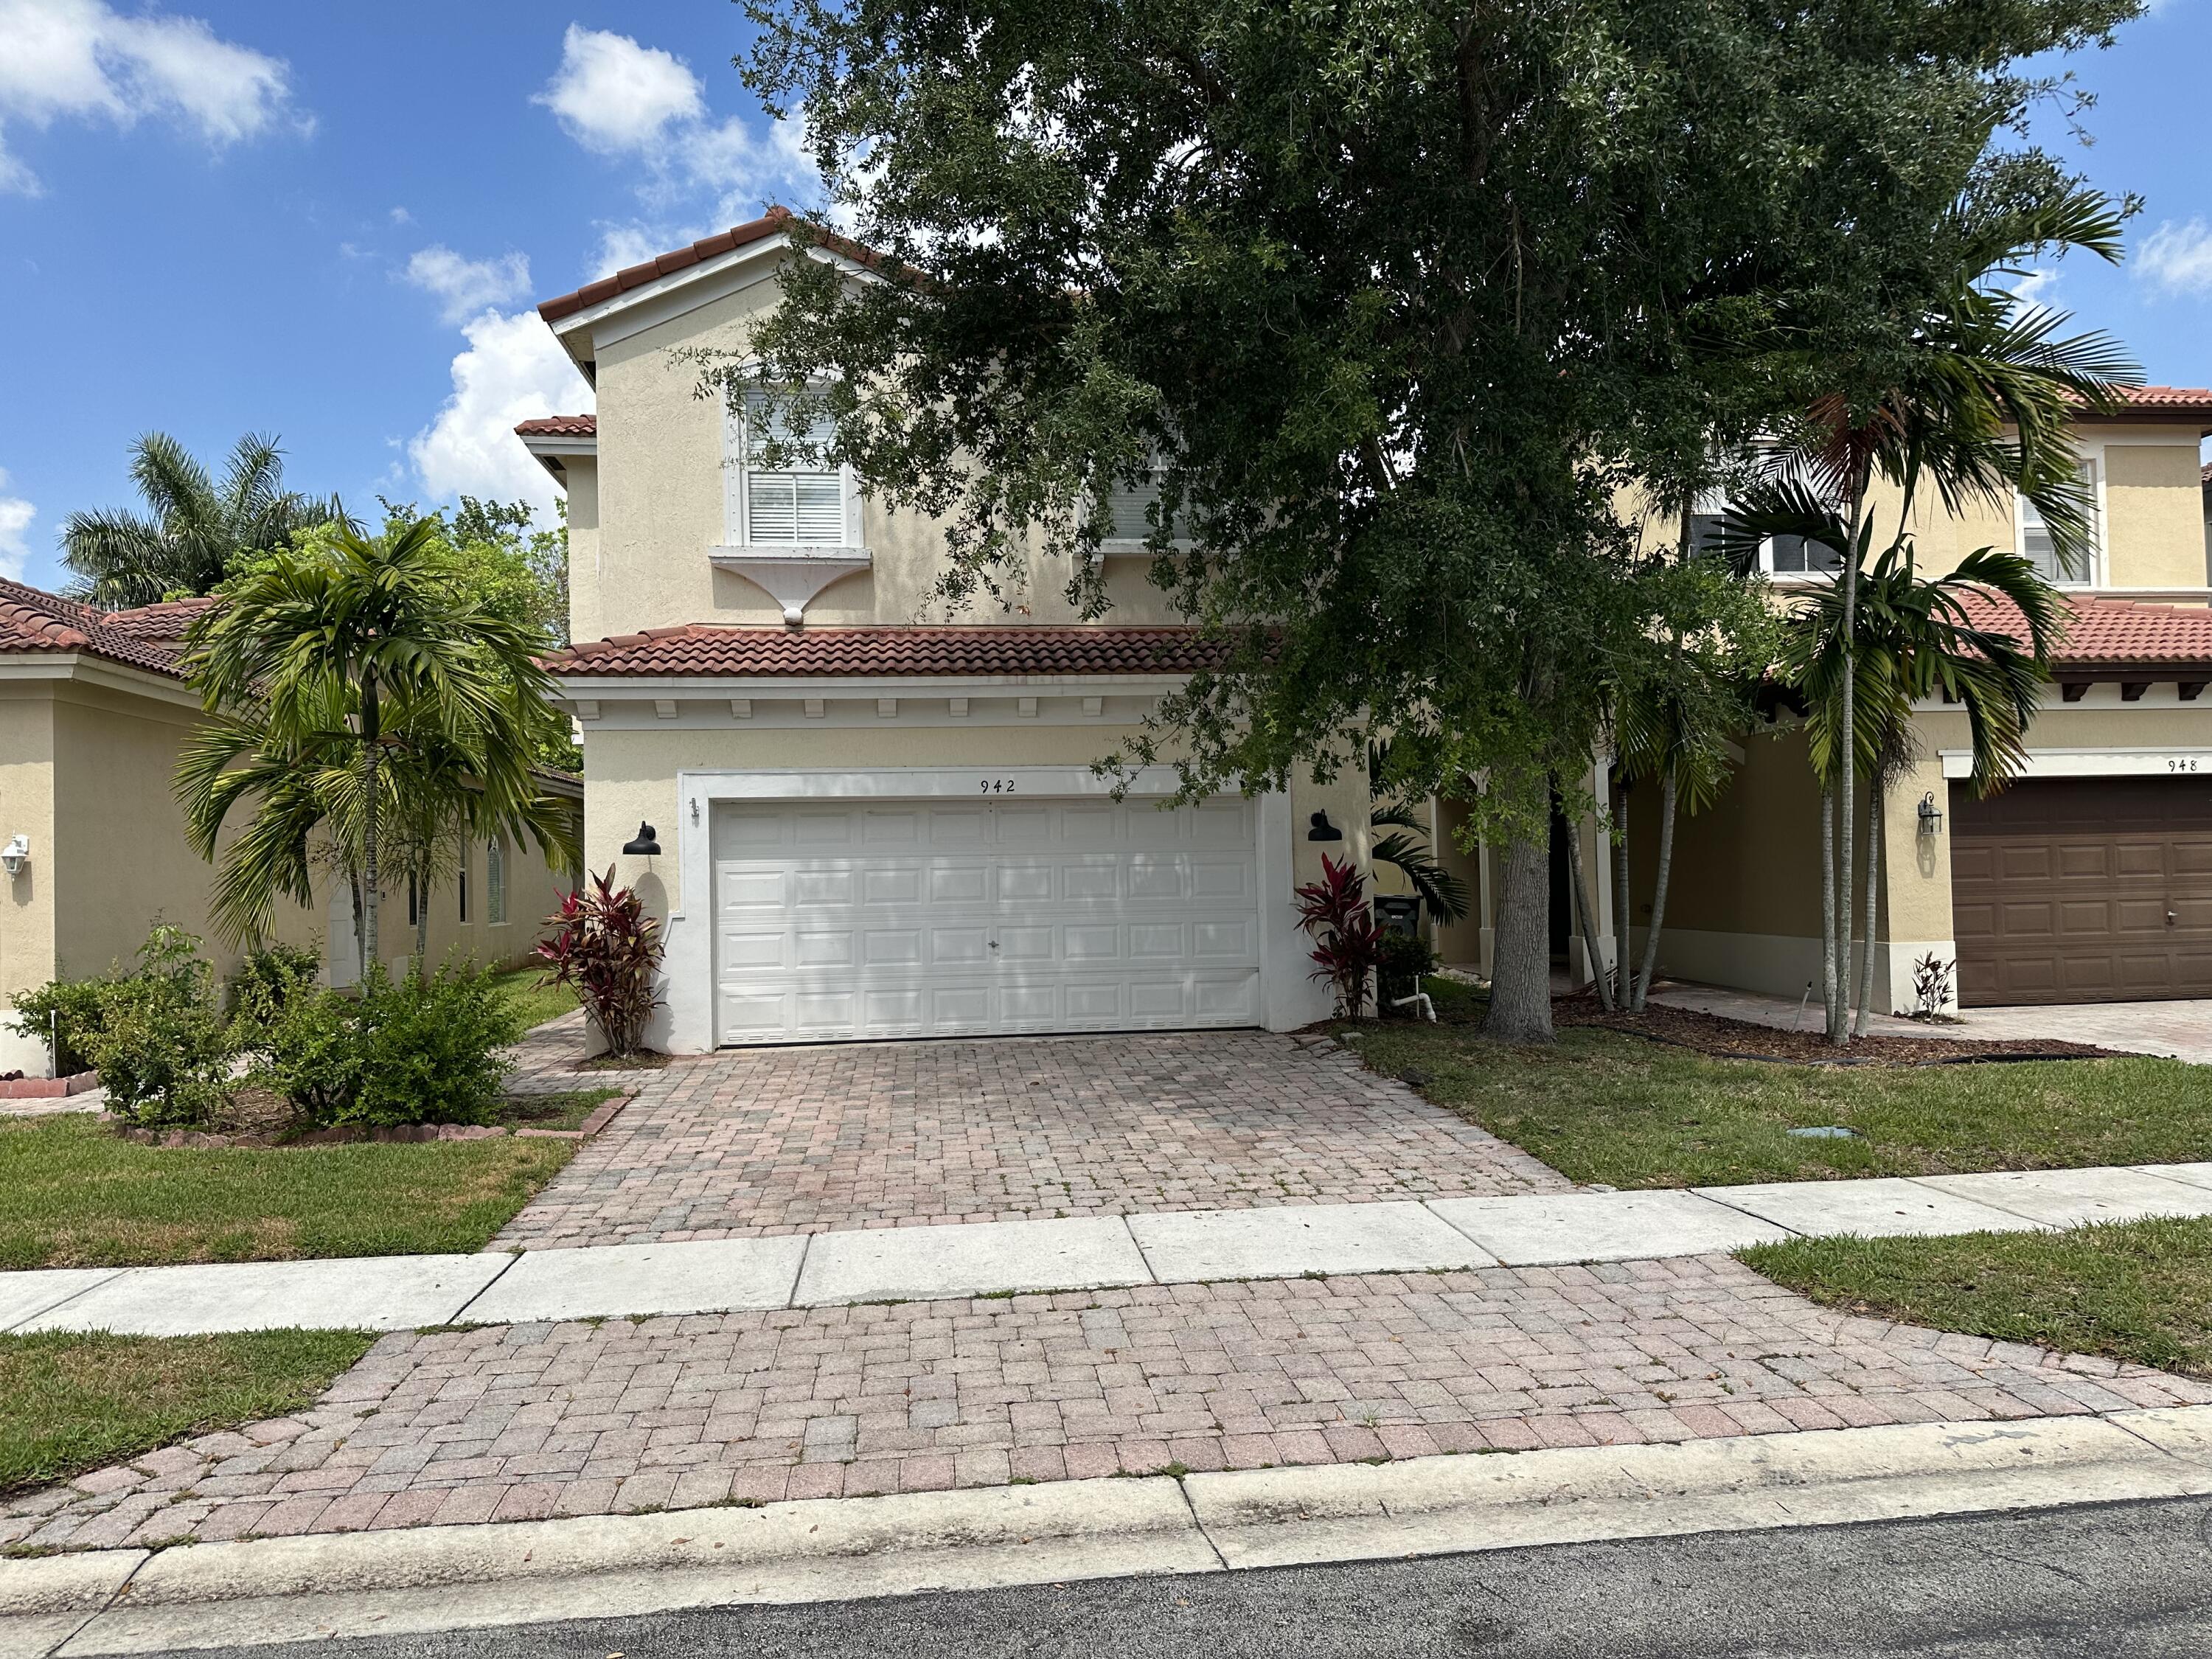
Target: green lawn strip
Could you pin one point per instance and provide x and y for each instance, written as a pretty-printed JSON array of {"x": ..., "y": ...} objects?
[
  {"x": 534, "y": 1002},
  {"x": 2139, "y": 1291},
  {"x": 77, "y": 1196},
  {"x": 71, "y": 1401},
  {"x": 560, "y": 1111},
  {"x": 1604, "y": 1106}
]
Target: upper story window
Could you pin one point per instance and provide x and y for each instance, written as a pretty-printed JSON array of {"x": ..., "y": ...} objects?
[
  {"x": 2036, "y": 548},
  {"x": 1786, "y": 557},
  {"x": 1131, "y": 508},
  {"x": 794, "y": 505}
]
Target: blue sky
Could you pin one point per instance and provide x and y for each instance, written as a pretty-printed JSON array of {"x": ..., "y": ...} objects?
[{"x": 329, "y": 222}]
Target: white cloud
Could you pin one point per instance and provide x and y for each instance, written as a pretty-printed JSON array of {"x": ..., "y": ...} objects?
[
  {"x": 512, "y": 370},
  {"x": 2178, "y": 257},
  {"x": 2033, "y": 288},
  {"x": 16, "y": 516},
  {"x": 465, "y": 287},
  {"x": 80, "y": 59},
  {"x": 618, "y": 97},
  {"x": 400, "y": 216}
]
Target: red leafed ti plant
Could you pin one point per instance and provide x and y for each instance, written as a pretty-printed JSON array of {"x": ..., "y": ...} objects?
[
  {"x": 1347, "y": 946},
  {"x": 607, "y": 949}
]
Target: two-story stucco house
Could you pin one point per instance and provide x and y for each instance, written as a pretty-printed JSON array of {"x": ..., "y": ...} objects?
[
  {"x": 872, "y": 822},
  {"x": 873, "y": 825}
]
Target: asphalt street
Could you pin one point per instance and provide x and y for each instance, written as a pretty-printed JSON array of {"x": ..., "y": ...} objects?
[{"x": 2129, "y": 1580}]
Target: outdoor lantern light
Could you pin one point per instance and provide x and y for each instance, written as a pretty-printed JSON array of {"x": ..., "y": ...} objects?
[
  {"x": 1323, "y": 830},
  {"x": 1932, "y": 815},
  {"x": 645, "y": 845},
  {"x": 14, "y": 856}
]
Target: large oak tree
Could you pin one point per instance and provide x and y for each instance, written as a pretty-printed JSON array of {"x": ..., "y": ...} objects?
[{"x": 1395, "y": 298}]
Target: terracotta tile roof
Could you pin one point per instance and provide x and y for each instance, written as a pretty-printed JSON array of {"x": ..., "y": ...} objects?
[
  {"x": 559, "y": 426},
  {"x": 774, "y": 222},
  {"x": 32, "y": 620},
  {"x": 2189, "y": 399},
  {"x": 707, "y": 648},
  {"x": 2105, "y": 636}
]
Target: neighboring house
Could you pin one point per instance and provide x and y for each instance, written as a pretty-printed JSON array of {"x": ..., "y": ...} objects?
[
  {"x": 2088, "y": 879},
  {"x": 873, "y": 824},
  {"x": 93, "y": 712}
]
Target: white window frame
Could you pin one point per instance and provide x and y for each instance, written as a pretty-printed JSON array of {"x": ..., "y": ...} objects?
[
  {"x": 1713, "y": 504},
  {"x": 495, "y": 882},
  {"x": 2091, "y": 456},
  {"x": 737, "y": 512}
]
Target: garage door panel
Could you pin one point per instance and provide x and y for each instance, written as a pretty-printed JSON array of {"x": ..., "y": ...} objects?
[
  {"x": 2083, "y": 889},
  {"x": 887, "y": 920}
]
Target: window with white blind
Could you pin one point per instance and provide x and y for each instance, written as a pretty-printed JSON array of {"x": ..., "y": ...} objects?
[
  {"x": 496, "y": 882},
  {"x": 2037, "y": 547},
  {"x": 796, "y": 505},
  {"x": 1130, "y": 509}
]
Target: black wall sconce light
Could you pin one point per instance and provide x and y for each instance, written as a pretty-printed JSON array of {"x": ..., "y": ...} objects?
[
  {"x": 647, "y": 844},
  {"x": 1932, "y": 815},
  {"x": 1323, "y": 830}
]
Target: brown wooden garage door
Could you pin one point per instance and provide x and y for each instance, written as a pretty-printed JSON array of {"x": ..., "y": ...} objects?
[{"x": 2083, "y": 889}]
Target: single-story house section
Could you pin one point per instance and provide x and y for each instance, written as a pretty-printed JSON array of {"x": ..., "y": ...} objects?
[{"x": 93, "y": 714}]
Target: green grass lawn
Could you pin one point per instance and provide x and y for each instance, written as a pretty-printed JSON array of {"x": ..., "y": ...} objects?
[
  {"x": 77, "y": 1196},
  {"x": 2138, "y": 1290},
  {"x": 536, "y": 1003},
  {"x": 71, "y": 1402},
  {"x": 1603, "y": 1106}
]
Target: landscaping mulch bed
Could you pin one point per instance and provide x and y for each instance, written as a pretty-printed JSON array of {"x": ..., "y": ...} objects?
[
  {"x": 1742, "y": 1039},
  {"x": 259, "y": 1119}
]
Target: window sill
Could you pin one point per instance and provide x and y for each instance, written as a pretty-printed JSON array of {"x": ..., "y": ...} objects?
[{"x": 791, "y": 575}]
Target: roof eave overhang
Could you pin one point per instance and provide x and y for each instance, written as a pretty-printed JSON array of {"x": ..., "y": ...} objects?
[
  {"x": 582, "y": 333},
  {"x": 616, "y": 688},
  {"x": 89, "y": 668},
  {"x": 553, "y": 452}
]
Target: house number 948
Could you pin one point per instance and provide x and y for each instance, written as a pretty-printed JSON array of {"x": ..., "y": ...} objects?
[
  {"x": 2180, "y": 763},
  {"x": 998, "y": 786}
]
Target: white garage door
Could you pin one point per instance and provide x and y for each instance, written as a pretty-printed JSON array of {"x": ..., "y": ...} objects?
[{"x": 904, "y": 918}]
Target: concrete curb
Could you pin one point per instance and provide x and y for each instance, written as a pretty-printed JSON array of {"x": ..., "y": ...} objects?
[{"x": 524, "y": 1572}]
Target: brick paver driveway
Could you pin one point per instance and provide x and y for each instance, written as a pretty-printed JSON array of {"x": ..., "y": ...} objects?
[
  {"x": 522, "y": 1421},
  {"x": 803, "y": 1140}
]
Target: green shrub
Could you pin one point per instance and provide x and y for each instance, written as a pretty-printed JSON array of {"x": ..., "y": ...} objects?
[
  {"x": 267, "y": 982},
  {"x": 162, "y": 1047},
  {"x": 424, "y": 1048},
  {"x": 63, "y": 1013}
]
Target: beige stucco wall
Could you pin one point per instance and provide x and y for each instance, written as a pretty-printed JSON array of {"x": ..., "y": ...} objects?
[
  {"x": 86, "y": 771},
  {"x": 582, "y": 474},
  {"x": 658, "y": 508},
  {"x": 1750, "y": 862},
  {"x": 26, "y": 808}
]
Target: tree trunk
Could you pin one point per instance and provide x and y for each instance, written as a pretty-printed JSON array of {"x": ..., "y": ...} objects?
[
  {"x": 1621, "y": 892},
  {"x": 368, "y": 872},
  {"x": 1520, "y": 948},
  {"x": 1846, "y": 793},
  {"x": 421, "y": 917},
  {"x": 1828, "y": 977},
  {"x": 1586, "y": 918},
  {"x": 1670, "y": 794},
  {"x": 1875, "y": 830}
]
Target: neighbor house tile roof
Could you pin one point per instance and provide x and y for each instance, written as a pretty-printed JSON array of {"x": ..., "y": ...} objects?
[
  {"x": 147, "y": 637},
  {"x": 559, "y": 426},
  {"x": 774, "y": 222},
  {"x": 2108, "y": 636},
  {"x": 707, "y": 648},
  {"x": 2176, "y": 399}
]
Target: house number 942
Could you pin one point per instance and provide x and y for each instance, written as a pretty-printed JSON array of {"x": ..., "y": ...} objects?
[{"x": 998, "y": 786}]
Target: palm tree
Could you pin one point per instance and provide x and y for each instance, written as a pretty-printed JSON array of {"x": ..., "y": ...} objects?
[
  {"x": 1859, "y": 660},
  {"x": 194, "y": 527},
  {"x": 1974, "y": 395},
  {"x": 350, "y": 682}
]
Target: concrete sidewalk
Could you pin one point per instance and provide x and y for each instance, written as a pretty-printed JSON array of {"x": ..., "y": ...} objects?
[{"x": 1004, "y": 1258}]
